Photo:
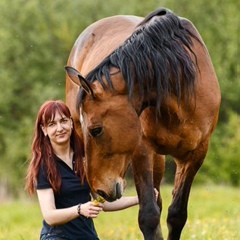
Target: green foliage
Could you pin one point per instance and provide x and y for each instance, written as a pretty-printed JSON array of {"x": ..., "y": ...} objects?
[
  {"x": 36, "y": 39},
  {"x": 222, "y": 164},
  {"x": 31, "y": 74}
]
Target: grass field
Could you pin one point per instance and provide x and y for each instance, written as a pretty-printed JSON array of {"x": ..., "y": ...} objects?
[{"x": 214, "y": 214}]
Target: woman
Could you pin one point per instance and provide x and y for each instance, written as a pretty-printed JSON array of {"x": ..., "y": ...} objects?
[{"x": 56, "y": 172}]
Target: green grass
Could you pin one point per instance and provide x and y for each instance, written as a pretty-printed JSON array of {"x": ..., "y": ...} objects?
[{"x": 214, "y": 214}]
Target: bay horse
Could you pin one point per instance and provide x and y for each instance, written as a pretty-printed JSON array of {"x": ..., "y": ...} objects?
[{"x": 140, "y": 89}]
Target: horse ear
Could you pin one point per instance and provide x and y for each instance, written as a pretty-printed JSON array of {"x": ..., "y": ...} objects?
[{"x": 77, "y": 77}]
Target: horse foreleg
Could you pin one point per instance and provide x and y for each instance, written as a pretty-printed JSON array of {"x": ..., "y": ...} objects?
[
  {"x": 185, "y": 173},
  {"x": 149, "y": 211}
]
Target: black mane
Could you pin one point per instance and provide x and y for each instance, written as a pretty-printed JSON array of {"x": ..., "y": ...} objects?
[{"x": 157, "y": 54}]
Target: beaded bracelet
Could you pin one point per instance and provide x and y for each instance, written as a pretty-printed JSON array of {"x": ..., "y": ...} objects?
[{"x": 79, "y": 209}]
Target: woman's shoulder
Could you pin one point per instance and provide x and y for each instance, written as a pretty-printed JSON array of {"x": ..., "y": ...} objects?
[{"x": 42, "y": 179}]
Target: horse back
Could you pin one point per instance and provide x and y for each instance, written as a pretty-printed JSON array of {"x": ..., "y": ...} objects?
[{"x": 99, "y": 40}]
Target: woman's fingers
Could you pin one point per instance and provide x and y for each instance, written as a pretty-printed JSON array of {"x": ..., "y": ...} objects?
[
  {"x": 156, "y": 193},
  {"x": 90, "y": 210}
]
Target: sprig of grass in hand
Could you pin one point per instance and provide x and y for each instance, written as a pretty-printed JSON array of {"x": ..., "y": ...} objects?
[{"x": 99, "y": 200}]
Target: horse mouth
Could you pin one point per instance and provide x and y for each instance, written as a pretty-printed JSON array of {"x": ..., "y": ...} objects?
[{"x": 114, "y": 195}]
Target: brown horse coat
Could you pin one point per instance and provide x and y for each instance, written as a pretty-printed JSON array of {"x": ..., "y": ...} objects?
[{"x": 148, "y": 89}]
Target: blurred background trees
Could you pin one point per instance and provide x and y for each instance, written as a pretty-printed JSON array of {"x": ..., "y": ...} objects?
[{"x": 36, "y": 38}]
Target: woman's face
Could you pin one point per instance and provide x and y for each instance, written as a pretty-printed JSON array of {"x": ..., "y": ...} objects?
[{"x": 58, "y": 129}]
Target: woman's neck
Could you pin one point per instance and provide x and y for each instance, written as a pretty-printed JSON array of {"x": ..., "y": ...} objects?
[{"x": 65, "y": 153}]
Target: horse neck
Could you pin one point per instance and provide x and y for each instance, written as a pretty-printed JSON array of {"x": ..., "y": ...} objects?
[{"x": 140, "y": 103}]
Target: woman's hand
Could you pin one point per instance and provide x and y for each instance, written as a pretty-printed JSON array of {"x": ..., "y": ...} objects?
[
  {"x": 90, "y": 210},
  {"x": 156, "y": 193}
]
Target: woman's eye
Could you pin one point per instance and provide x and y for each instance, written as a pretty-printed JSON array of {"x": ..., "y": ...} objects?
[
  {"x": 64, "y": 120},
  {"x": 95, "y": 132},
  {"x": 50, "y": 124}
]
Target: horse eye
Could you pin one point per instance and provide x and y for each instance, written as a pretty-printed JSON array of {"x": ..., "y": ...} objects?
[{"x": 95, "y": 132}]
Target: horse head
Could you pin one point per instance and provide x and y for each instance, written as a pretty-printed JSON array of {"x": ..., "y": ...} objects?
[{"x": 111, "y": 131}]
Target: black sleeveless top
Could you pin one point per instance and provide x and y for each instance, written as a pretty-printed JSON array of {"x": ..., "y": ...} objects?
[{"x": 72, "y": 192}]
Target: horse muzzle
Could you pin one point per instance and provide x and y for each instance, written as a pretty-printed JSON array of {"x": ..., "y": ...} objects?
[{"x": 115, "y": 193}]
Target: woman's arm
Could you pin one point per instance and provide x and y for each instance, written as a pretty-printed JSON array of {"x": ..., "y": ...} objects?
[
  {"x": 123, "y": 203},
  {"x": 55, "y": 216},
  {"x": 120, "y": 204}
]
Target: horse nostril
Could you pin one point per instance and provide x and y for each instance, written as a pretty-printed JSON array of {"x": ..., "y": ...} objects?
[{"x": 118, "y": 191}]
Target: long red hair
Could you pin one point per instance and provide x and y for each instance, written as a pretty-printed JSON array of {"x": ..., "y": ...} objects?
[{"x": 42, "y": 151}]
